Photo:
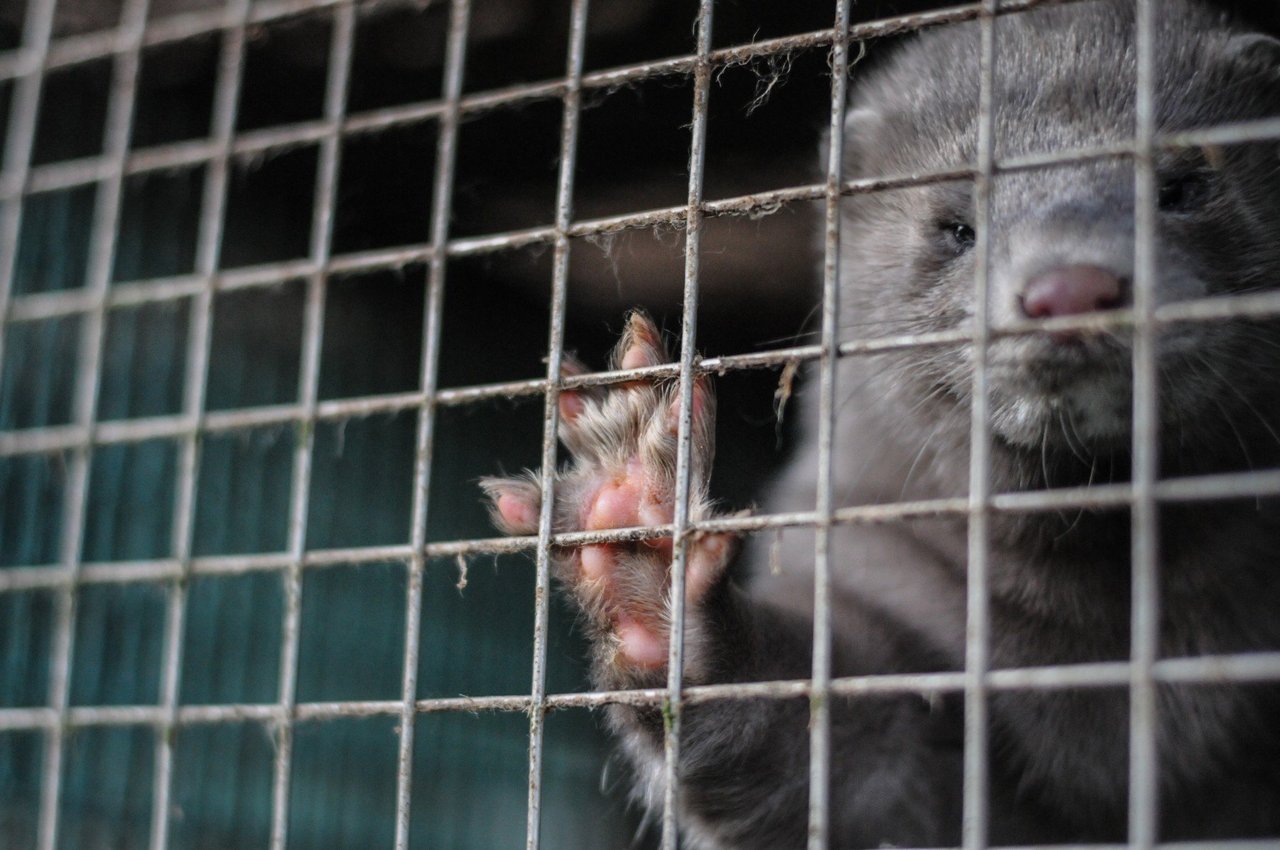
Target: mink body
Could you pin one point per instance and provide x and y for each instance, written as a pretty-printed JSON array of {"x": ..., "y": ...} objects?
[{"x": 1060, "y": 416}]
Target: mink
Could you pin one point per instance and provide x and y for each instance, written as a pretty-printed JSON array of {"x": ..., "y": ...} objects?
[{"x": 1061, "y": 242}]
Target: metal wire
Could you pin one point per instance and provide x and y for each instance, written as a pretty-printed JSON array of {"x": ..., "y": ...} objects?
[
  {"x": 308, "y": 391},
  {"x": 1216, "y": 669},
  {"x": 208, "y": 251},
  {"x": 1199, "y": 488},
  {"x": 60, "y": 438},
  {"x": 106, "y": 215},
  {"x": 20, "y": 135},
  {"x": 441, "y": 202},
  {"x": 28, "y": 66},
  {"x": 673, "y": 705},
  {"x": 975, "y": 814},
  {"x": 820, "y": 701},
  {"x": 102, "y": 45},
  {"x": 50, "y": 305},
  {"x": 1145, "y": 615},
  {"x": 551, "y": 413}
]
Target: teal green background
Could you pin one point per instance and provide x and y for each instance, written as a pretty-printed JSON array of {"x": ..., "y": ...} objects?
[{"x": 470, "y": 769}]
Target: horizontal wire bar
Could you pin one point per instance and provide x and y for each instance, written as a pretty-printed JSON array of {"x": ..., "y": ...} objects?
[
  {"x": 65, "y": 175},
  {"x": 1200, "y": 488},
  {"x": 57, "y": 438},
  {"x": 189, "y": 153},
  {"x": 1204, "y": 670},
  {"x": 1225, "y": 844},
  {"x": 89, "y": 47},
  {"x": 50, "y": 305}
]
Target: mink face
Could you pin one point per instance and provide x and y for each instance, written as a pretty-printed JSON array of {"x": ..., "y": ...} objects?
[{"x": 1062, "y": 236}]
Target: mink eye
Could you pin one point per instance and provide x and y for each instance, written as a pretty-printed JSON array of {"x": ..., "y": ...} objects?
[
  {"x": 1183, "y": 192},
  {"x": 959, "y": 235}
]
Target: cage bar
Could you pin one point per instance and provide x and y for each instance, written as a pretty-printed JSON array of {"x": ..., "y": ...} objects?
[
  {"x": 1241, "y": 668},
  {"x": 1145, "y": 615},
  {"x": 102, "y": 45},
  {"x": 673, "y": 705},
  {"x": 341, "y": 48},
  {"x": 106, "y": 215},
  {"x": 48, "y": 305},
  {"x": 551, "y": 411},
  {"x": 20, "y": 135},
  {"x": 975, "y": 815},
  {"x": 1199, "y": 488},
  {"x": 208, "y": 251},
  {"x": 441, "y": 203},
  {"x": 18, "y": 149},
  {"x": 65, "y": 175},
  {"x": 824, "y": 500}
]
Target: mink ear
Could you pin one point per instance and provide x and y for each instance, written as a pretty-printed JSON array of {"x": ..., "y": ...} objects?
[
  {"x": 861, "y": 125},
  {"x": 1257, "y": 52},
  {"x": 861, "y": 122}
]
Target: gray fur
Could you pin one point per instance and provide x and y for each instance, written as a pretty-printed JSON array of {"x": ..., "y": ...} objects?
[{"x": 1060, "y": 417}]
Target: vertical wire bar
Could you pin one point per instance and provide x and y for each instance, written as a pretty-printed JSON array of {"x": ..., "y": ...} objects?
[
  {"x": 21, "y": 134},
  {"x": 106, "y": 215},
  {"x": 208, "y": 252},
  {"x": 673, "y": 707},
  {"x": 820, "y": 693},
  {"x": 1144, "y": 641},
  {"x": 441, "y": 203},
  {"x": 978, "y": 624},
  {"x": 335, "y": 104},
  {"x": 551, "y": 410}
]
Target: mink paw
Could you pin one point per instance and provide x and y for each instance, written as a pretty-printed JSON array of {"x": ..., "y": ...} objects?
[{"x": 622, "y": 441}]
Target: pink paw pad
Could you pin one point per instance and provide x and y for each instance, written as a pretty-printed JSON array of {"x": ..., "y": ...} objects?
[
  {"x": 641, "y": 645},
  {"x": 513, "y": 504},
  {"x": 616, "y": 506},
  {"x": 516, "y": 512},
  {"x": 622, "y": 444}
]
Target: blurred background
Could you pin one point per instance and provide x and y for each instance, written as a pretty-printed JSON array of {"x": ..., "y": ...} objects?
[{"x": 758, "y": 290}]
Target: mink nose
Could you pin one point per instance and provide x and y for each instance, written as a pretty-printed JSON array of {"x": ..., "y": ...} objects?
[{"x": 1070, "y": 291}]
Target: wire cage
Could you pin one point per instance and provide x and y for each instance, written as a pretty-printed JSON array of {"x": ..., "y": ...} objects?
[{"x": 279, "y": 279}]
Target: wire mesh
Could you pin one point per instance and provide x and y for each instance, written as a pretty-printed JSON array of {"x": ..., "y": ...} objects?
[{"x": 28, "y": 67}]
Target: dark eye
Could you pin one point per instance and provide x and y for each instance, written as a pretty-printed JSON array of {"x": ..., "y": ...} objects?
[
  {"x": 959, "y": 235},
  {"x": 1183, "y": 192}
]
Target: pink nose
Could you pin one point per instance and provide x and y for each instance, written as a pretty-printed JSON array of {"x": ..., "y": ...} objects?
[{"x": 1071, "y": 290}]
